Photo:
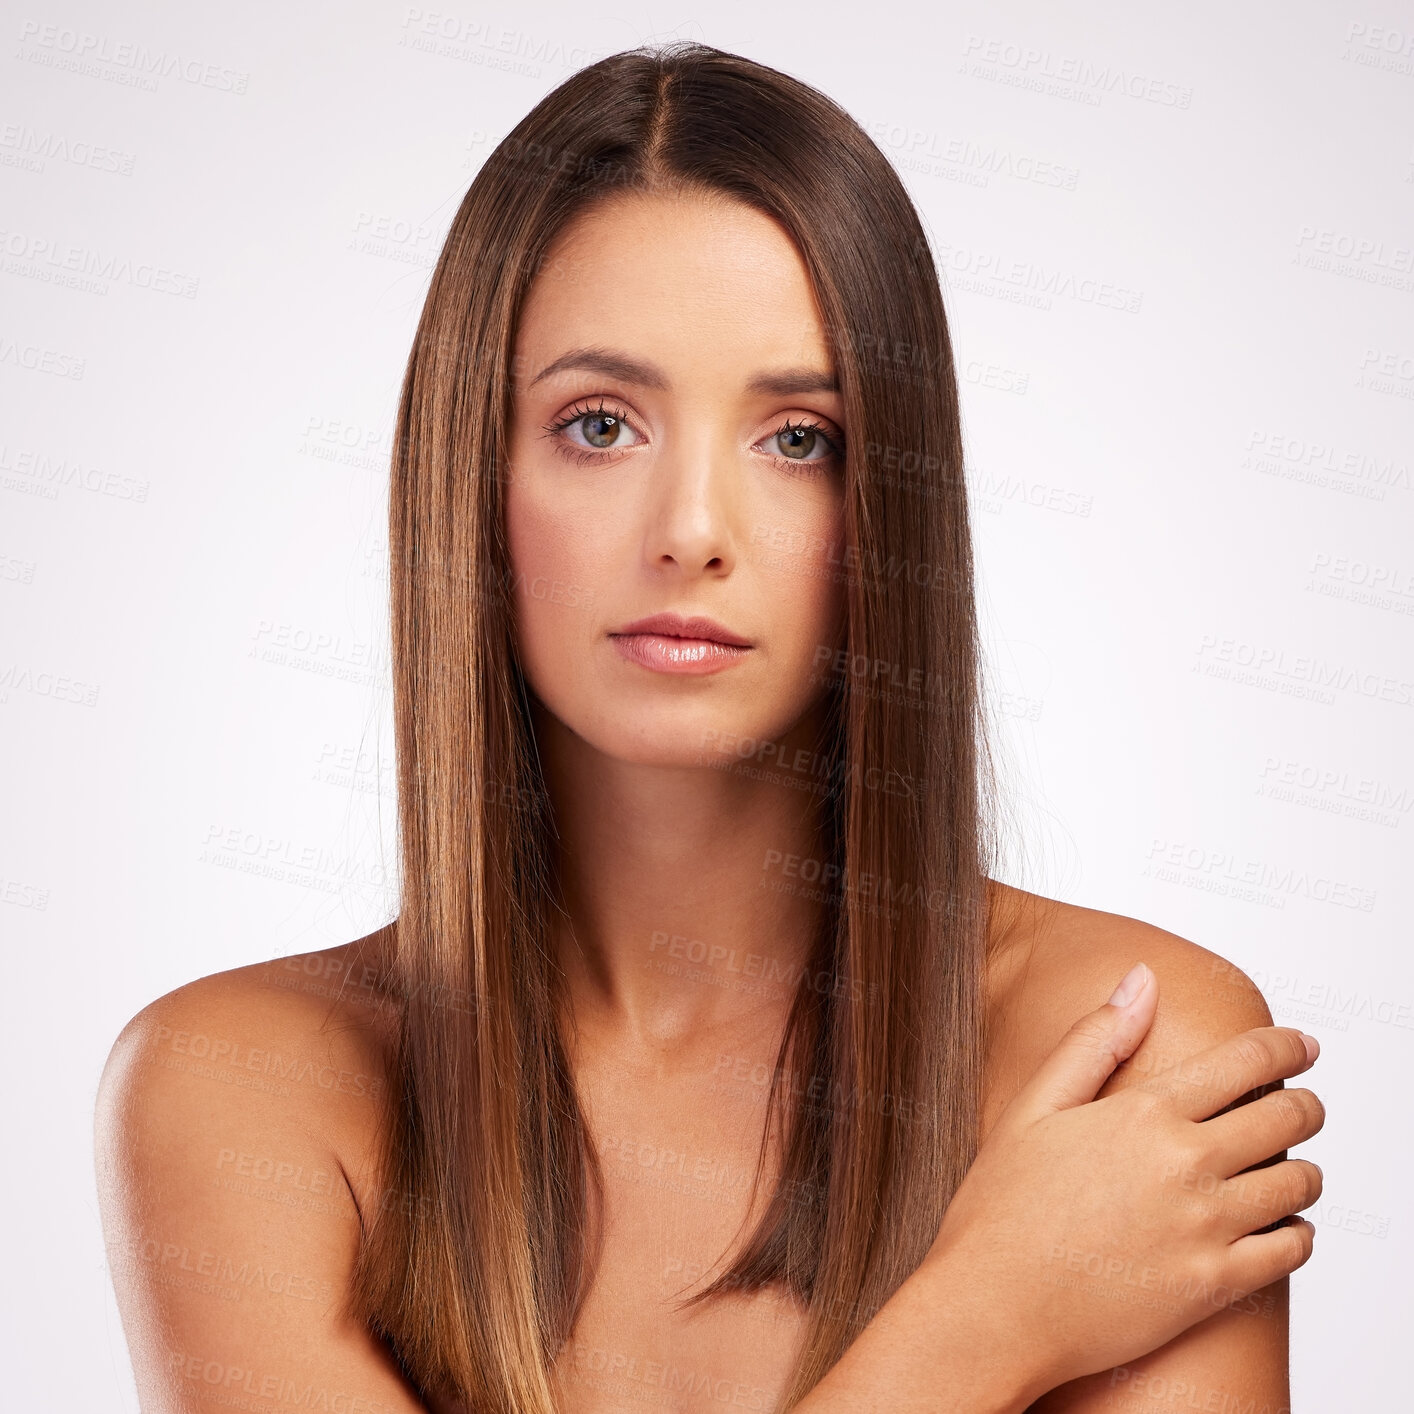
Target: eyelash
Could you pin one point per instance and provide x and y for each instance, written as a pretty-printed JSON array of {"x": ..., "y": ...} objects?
[{"x": 583, "y": 455}]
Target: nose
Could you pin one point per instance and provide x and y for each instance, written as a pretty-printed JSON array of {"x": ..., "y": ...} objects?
[{"x": 691, "y": 513}]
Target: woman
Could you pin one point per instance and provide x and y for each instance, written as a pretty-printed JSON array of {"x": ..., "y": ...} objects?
[{"x": 701, "y": 1004}]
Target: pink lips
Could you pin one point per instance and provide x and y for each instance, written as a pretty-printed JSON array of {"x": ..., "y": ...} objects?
[{"x": 670, "y": 643}]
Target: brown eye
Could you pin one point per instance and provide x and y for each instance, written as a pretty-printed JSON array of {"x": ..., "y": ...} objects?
[
  {"x": 600, "y": 429},
  {"x": 806, "y": 444},
  {"x": 797, "y": 442},
  {"x": 583, "y": 432}
]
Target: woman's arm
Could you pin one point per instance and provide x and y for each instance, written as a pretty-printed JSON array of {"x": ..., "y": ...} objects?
[
  {"x": 1237, "y": 1357},
  {"x": 231, "y": 1230},
  {"x": 230, "y": 1227},
  {"x": 934, "y": 1347},
  {"x": 1072, "y": 1245}
]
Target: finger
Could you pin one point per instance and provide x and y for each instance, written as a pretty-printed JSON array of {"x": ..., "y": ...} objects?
[
  {"x": 1085, "y": 1057},
  {"x": 1204, "y": 1083},
  {"x": 1251, "y": 1201},
  {"x": 1253, "y": 1132},
  {"x": 1265, "y": 1195},
  {"x": 1261, "y": 1258}
]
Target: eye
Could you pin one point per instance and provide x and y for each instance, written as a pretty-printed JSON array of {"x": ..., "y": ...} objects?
[
  {"x": 588, "y": 433},
  {"x": 603, "y": 429},
  {"x": 804, "y": 444}
]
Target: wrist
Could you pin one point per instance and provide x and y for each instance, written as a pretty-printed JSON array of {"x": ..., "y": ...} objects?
[
  {"x": 979, "y": 1335},
  {"x": 929, "y": 1349}
]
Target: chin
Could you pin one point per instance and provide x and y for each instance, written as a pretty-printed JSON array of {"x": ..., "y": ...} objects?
[
  {"x": 662, "y": 737},
  {"x": 701, "y": 737}
]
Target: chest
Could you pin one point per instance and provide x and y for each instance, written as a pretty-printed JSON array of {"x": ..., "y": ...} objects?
[{"x": 678, "y": 1157}]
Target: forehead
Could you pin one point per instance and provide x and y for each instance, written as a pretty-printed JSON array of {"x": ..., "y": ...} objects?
[{"x": 698, "y": 280}]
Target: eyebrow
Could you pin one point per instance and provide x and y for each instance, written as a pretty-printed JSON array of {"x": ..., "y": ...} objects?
[{"x": 782, "y": 382}]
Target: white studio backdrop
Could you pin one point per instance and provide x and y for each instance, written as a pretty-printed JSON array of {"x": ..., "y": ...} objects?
[{"x": 1178, "y": 256}]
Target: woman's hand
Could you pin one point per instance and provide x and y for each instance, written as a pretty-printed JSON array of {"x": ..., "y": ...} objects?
[{"x": 1095, "y": 1231}]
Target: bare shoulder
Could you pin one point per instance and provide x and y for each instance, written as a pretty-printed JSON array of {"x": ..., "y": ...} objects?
[
  {"x": 1055, "y": 961},
  {"x": 303, "y": 1039},
  {"x": 236, "y": 1131}
]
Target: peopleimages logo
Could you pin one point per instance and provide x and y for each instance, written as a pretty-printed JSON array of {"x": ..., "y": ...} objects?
[
  {"x": 1010, "y": 62},
  {"x": 98, "y": 56},
  {"x": 1341, "y": 792},
  {"x": 1262, "y": 665},
  {"x": 25, "y": 147},
  {"x": 1291, "y": 457},
  {"x": 1168, "y": 859},
  {"x": 57, "y": 261},
  {"x": 1028, "y": 281}
]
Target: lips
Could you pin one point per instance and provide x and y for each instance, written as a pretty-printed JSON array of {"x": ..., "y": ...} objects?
[
  {"x": 680, "y": 645},
  {"x": 697, "y": 627}
]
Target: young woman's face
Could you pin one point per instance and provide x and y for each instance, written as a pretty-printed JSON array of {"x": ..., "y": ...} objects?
[{"x": 676, "y": 447}]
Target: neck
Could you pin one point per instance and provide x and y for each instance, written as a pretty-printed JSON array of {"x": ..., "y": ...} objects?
[{"x": 684, "y": 917}]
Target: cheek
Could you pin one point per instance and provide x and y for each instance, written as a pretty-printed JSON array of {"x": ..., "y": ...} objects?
[
  {"x": 554, "y": 558},
  {"x": 802, "y": 565}
]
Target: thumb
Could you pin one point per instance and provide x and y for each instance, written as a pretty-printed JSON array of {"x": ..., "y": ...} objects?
[{"x": 1087, "y": 1054}]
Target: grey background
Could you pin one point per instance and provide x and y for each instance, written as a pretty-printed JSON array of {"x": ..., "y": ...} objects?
[{"x": 1177, "y": 254}]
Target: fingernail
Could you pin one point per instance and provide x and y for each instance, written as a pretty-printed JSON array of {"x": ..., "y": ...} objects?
[
  {"x": 1313, "y": 1046},
  {"x": 1131, "y": 985}
]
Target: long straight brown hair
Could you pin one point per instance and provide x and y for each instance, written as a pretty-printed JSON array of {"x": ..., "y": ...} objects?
[{"x": 476, "y": 1264}]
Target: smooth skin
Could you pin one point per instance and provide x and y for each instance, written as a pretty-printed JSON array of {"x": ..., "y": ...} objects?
[
  {"x": 1172, "y": 1133},
  {"x": 234, "y": 1186},
  {"x": 1045, "y": 1273},
  {"x": 1240, "y": 1353}
]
